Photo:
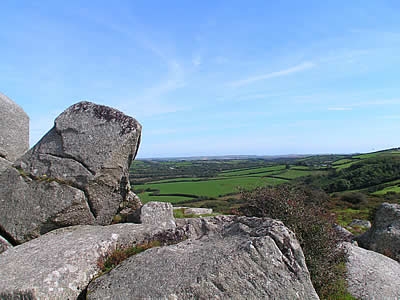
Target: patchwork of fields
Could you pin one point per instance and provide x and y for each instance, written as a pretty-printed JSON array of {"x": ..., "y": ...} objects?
[
  {"x": 224, "y": 183},
  {"x": 201, "y": 182}
]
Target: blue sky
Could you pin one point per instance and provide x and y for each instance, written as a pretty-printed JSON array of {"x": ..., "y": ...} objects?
[{"x": 213, "y": 77}]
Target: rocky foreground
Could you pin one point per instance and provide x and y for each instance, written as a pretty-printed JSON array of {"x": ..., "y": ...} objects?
[{"x": 58, "y": 201}]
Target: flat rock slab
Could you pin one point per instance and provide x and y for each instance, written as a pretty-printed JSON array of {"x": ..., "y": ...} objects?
[
  {"x": 60, "y": 264},
  {"x": 372, "y": 275},
  {"x": 232, "y": 258}
]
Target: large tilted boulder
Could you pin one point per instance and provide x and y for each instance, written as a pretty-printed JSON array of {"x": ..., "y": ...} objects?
[
  {"x": 61, "y": 263},
  {"x": 225, "y": 258},
  {"x": 384, "y": 235},
  {"x": 372, "y": 275},
  {"x": 78, "y": 173},
  {"x": 14, "y": 130}
]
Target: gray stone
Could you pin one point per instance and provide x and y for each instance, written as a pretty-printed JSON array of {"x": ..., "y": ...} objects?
[
  {"x": 61, "y": 263},
  {"x": 344, "y": 234},
  {"x": 131, "y": 204},
  {"x": 197, "y": 211},
  {"x": 14, "y": 129},
  {"x": 29, "y": 208},
  {"x": 384, "y": 235},
  {"x": 4, "y": 164},
  {"x": 84, "y": 159},
  {"x": 372, "y": 275},
  {"x": 225, "y": 258},
  {"x": 154, "y": 213},
  {"x": 4, "y": 244},
  {"x": 360, "y": 223}
]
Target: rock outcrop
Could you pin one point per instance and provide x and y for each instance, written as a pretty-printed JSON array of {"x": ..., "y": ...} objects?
[
  {"x": 78, "y": 173},
  {"x": 372, "y": 275},
  {"x": 61, "y": 263},
  {"x": 14, "y": 130},
  {"x": 153, "y": 213},
  {"x": 194, "y": 211},
  {"x": 224, "y": 258},
  {"x": 384, "y": 235}
]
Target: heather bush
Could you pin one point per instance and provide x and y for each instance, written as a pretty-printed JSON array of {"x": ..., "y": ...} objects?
[
  {"x": 354, "y": 198},
  {"x": 300, "y": 210}
]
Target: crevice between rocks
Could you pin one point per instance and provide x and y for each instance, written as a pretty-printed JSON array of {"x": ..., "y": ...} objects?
[
  {"x": 74, "y": 159},
  {"x": 89, "y": 202},
  {"x": 8, "y": 236}
]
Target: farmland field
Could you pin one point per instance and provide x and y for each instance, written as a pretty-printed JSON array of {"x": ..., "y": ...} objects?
[
  {"x": 181, "y": 182},
  {"x": 216, "y": 183},
  {"x": 180, "y": 191}
]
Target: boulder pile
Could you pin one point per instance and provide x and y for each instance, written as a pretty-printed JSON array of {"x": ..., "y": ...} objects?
[
  {"x": 58, "y": 200},
  {"x": 78, "y": 173}
]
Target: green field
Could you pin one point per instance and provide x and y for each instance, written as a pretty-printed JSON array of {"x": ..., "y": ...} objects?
[
  {"x": 344, "y": 166},
  {"x": 264, "y": 170},
  {"x": 216, "y": 183},
  {"x": 394, "y": 188},
  {"x": 342, "y": 161},
  {"x": 212, "y": 188},
  {"x": 295, "y": 173}
]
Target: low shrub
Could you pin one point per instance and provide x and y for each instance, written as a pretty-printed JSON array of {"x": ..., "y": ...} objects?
[
  {"x": 115, "y": 257},
  {"x": 298, "y": 209},
  {"x": 354, "y": 198}
]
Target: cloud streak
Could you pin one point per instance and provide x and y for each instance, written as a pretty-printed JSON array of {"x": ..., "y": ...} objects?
[{"x": 298, "y": 68}]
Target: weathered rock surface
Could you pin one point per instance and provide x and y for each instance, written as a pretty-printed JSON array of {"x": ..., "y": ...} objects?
[
  {"x": 360, "y": 223},
  {"x": 60, "y": 264},
  {"x": 4, "y": 245},
  {"x": 384, "y": 235},
  {"x": 372, "y": 275},
  {"x": 154, "y": 213},
  {"x": 29, "y": 208},
  {"x": 4, "y": 164},
  {"x": 14, "y": 129},
  {"x": 343, "y": 233},
  {"x": 225, "y": 258},
  {"x": 198, "y": 211},
  {"x": 78, "y": 173}
]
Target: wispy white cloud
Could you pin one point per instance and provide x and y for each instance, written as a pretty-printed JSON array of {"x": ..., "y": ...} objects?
[
  {"x": 249, "y": 80},
  {"x": 196, "y": 60},
  {"x": 149, "y": 100}
]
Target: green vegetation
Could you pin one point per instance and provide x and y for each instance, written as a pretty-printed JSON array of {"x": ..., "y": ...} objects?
[
  {"x": 112, "y": 259},
  {"x": 216, "y": 183},
  {"x": 180, "y": 191},
  {"x": 296, "y": 192},
  {"x": 303, "y": 212}
]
